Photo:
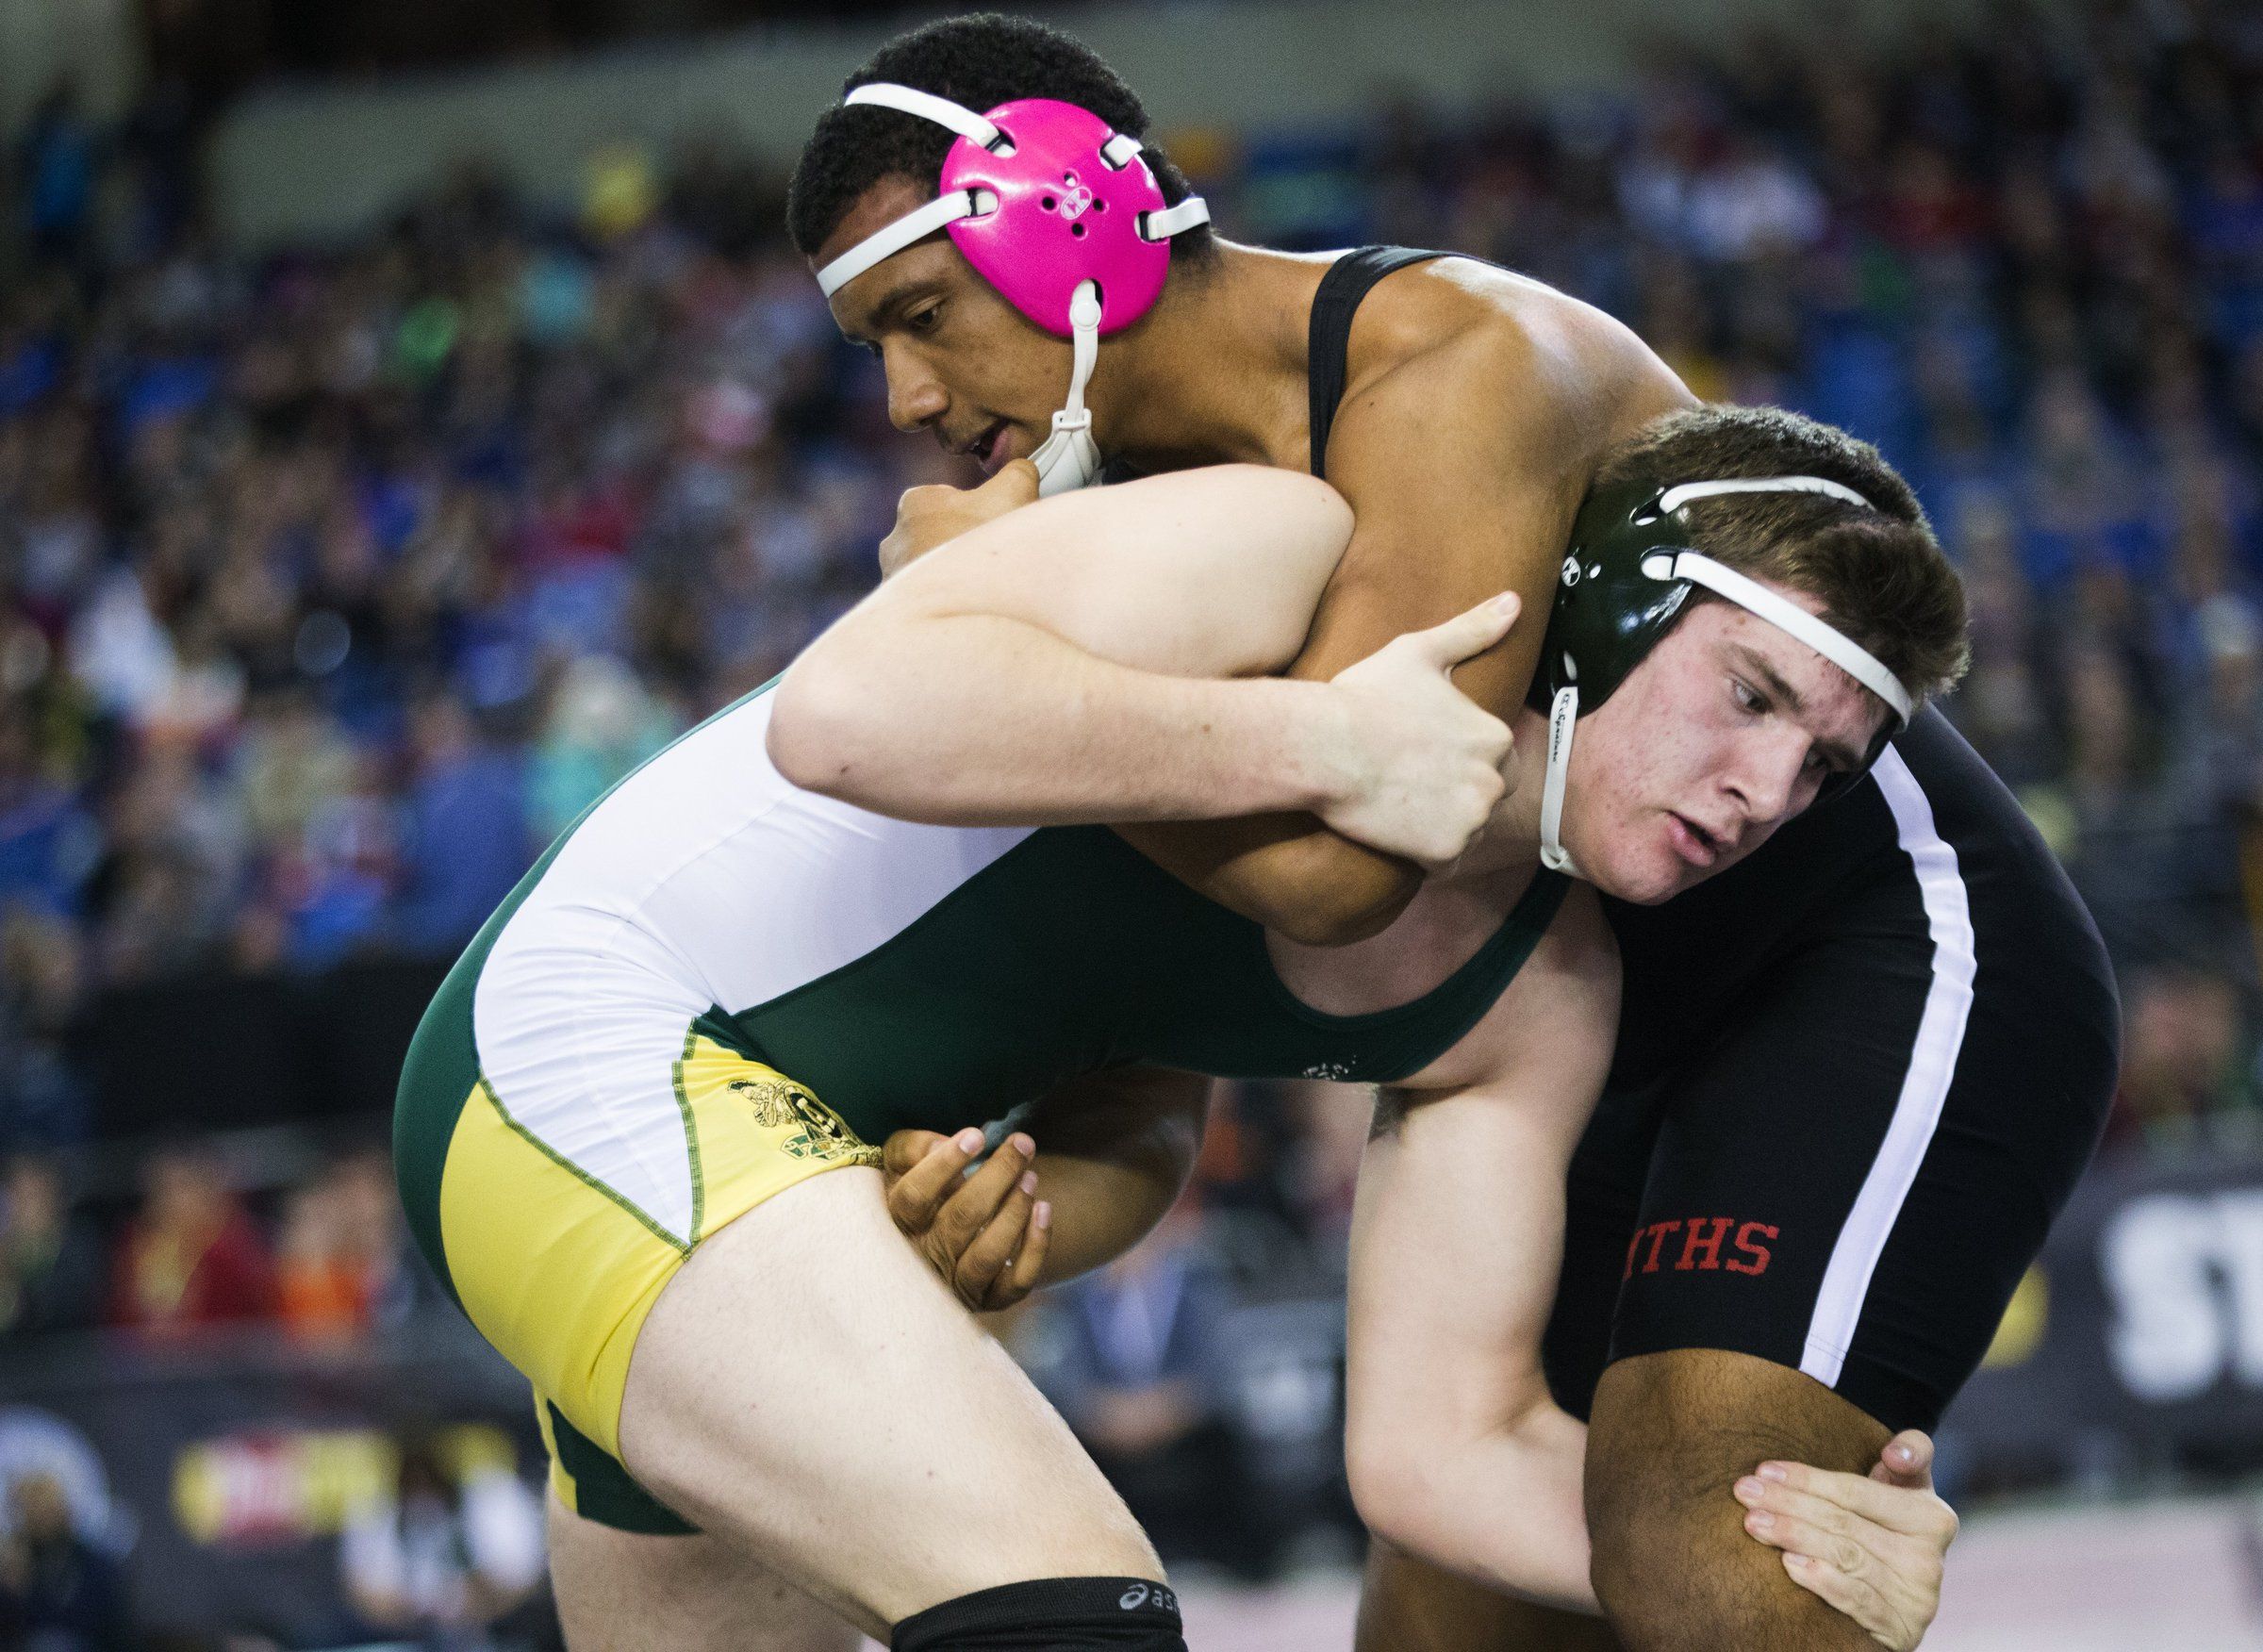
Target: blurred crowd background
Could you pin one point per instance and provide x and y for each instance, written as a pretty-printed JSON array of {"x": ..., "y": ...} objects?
[{"x": 336, "y": 579}]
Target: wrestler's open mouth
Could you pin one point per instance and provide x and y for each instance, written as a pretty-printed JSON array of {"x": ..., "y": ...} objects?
[
  {"x": 1693, "y": 842},
  {"x": 988, "y": 447}
]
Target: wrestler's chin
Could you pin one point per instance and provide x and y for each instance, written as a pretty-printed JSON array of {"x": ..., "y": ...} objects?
[{"x": 1638, "y": 878}]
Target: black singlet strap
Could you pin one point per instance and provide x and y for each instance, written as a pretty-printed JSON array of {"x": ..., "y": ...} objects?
[{"x": 1348, "y": 280}]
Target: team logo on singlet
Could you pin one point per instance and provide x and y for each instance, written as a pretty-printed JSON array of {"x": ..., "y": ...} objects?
[{"x": 778, "y": 1105}]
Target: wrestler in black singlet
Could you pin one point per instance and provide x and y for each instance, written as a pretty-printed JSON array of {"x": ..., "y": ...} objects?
[{"x": 1857, "y": 1078}]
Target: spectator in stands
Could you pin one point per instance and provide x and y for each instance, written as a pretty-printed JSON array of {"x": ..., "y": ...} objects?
[
  {"x": 465, "y": 838},
  {"x": 58, "y": 174},
  {"x": 57, "y": 1592},
  {"x": 321, "y": 1295},
  {"x": 189, "y": 1258},
  {"x": 342, "y": 1261},
  {"x": 2185, "y": 1057},
  {"x": 50, "y": 1262},
  {"x": 443, "y": 1557},
  {"x": 601, "y": 723},
  {"x": 395, "y": 1282}
]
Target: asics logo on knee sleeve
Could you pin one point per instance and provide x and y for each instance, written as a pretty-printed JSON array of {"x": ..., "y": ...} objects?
[
  {"x": 1141, "y": 1594},
  {"x": 1135, "y": 1595}
]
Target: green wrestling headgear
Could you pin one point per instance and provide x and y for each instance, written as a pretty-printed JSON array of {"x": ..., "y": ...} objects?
[{"x": 1626, "y": 578}]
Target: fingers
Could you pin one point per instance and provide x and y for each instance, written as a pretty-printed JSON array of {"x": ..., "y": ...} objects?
[
  {"x": 1906, "y": 1460},
  {"x": 977, "y": 1199},
  {"x": 1825, "y": 1557},
  {"x": 989, "y": 1251},
  {"x": 1777, "y": 1510},
  {"x": 1912, "y": 1511},
  {"x": 1887, "y": 1579},
  {"x": 927, "y": 1181},
  {"x": 1029, "y": 1267},
  {"x": 1853, "y": 1597},
  {"x": 1469, "y": 632},
  {"x": 904, "y": 1149}
]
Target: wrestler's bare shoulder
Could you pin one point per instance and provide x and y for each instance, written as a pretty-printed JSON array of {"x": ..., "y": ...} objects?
[{"x": 1451, "y": 325}]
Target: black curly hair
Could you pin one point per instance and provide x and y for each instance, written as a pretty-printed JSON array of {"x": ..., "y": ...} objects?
[{"x": 981, "y": 61}]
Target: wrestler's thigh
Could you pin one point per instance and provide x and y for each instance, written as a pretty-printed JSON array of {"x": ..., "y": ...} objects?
[
  {"x": 626, "y": 1592},
  {"x": 1408, "y": 1605},
  {"x": 1673, "y": 1566},
  {"x": 808, "y": 1388}
]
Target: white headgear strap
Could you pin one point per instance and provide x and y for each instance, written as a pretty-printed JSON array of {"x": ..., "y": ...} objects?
[
  {"x": 883, "y": 244},
  {"x": 1784, "y": 615},
  {"x": 1563, "y": 715}
]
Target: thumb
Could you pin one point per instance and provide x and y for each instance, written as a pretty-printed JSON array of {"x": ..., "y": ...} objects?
[
  {"x": 1906, "y": 1460},
  {"x": 1018, "y": 482},
  {"x": 904, "y": 1149},
  {"x": 1469, "y": 632}
]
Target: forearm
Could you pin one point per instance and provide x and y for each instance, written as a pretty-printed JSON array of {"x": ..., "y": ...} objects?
[
  {"x": 1101, "y": 1207},
  {"x": 1288, "y": 872},
  {"x": 1502, "y": 1508},
  {"x": 1114, "y": 1151},
  {"x": 977, "y": 720}
]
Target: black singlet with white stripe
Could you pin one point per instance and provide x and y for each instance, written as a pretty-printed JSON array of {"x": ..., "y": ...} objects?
[{"x": 1857, "y": 1074}]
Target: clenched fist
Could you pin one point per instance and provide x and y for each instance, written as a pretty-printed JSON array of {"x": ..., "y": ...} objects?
[
  {"x": 934, "y": 514},
  {"x": 1425, "y": 761}
]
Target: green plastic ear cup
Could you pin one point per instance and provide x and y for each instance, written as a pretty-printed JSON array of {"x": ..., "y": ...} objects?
[{"x": 1608, "y": 613}]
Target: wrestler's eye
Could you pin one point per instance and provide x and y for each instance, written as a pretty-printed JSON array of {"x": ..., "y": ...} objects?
[
  {"x": 924, "y": 318},
  {"x": 1747, "y": 698}
]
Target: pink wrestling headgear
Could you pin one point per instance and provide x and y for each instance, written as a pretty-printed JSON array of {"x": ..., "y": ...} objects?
[{"x": 1056, "y": 211}]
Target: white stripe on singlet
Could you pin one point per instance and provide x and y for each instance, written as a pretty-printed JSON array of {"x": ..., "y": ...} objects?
[{"x": 1925, "y": 1085}]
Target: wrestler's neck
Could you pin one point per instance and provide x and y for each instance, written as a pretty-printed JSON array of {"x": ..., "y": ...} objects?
[{"x": 1217, "y": 373}]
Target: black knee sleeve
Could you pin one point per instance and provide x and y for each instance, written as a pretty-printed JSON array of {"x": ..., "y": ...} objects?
[{"x": 1049, "y": 1614}]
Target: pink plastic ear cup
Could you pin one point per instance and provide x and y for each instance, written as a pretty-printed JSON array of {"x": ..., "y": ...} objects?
[{"x": 1063, "y": 217}]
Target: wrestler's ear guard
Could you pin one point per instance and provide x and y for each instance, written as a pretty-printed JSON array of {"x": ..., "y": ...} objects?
[
  {"x": 1058, "y": 212},
  {"x": 1626, "y": 578}
]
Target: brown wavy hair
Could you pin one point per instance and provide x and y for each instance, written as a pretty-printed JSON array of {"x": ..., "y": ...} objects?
[{"x": 1880, "y": 574}]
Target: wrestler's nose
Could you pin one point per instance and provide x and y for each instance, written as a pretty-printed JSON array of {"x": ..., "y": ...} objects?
[
  {"x": 916, "y": 396},
  {"x": 1767, "y": 785}
]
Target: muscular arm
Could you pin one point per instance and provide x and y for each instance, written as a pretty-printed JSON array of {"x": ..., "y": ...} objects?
[
  {"x": 1063, "y": 663},
  {"x": 1463, "y": 464},
  {"x": 1456, "y": 1451},
  {"x": 1114, "y": 1152}
]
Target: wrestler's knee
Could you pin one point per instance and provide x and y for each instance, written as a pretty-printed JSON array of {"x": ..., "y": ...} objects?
[{"x": 1673, "y": 1565}]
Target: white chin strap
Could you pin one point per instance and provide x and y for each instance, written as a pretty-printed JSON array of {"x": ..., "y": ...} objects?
[
  {"x": 1070, "y": 459},
  {"x": 1563, "y": 715},
  {"x": 1749, "y": 594}
]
